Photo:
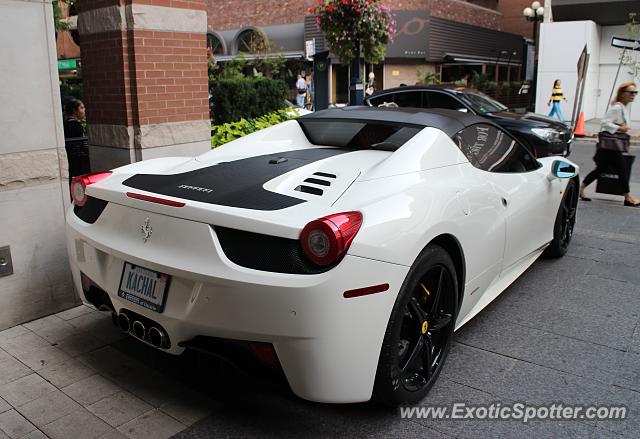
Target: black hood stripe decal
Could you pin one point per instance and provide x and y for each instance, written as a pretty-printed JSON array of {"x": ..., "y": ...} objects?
[{"x": 234, "y": 184}]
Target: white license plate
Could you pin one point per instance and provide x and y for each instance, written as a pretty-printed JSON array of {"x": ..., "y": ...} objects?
[{"x": 144, "y": 287}]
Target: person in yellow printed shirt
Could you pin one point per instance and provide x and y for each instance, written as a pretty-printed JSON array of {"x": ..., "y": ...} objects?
[{"x": 556, "y": 97}]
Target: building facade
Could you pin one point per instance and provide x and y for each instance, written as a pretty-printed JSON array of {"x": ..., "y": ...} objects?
[
  {"x": 591, "y": 24},
  {"x": 449, "y": 37},
  {"x": 34, "y": 276}
]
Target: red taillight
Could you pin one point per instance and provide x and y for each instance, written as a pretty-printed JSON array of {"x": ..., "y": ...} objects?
[
  {"x": 79, "y": 185},
  {"x": 327, "y": 239}
]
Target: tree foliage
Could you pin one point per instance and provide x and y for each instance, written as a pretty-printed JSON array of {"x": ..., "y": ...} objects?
[
  {"x": 428, "y": 77},
  {"x": 57, "y": 19},
  {"x": 248, "y": 98},
  {"x": 267, "y": 63},
  {"x": 630, "y": 58},
  {"x": 221, "y": 134}
]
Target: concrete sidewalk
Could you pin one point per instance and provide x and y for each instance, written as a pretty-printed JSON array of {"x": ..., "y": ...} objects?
[{"x": 62, "y": 378}]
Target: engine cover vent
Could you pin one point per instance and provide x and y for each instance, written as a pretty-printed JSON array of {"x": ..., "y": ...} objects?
[
  {"x": 318, "y": 181},
  {"x": 309, "y": 189},
  {"x": 324, "y": 174}
]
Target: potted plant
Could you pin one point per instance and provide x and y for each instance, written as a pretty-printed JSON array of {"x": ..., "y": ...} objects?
[{"x": 353, "y": 25}]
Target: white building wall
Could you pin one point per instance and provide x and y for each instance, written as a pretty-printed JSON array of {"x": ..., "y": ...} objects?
[
  {"x": 33, "y": 193},
  {"x": 609, "y": 60},
  {"x": 560, "y": 46}
]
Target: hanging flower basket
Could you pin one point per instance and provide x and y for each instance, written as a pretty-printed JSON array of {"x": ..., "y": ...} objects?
[{"x": 352, "y": 24}]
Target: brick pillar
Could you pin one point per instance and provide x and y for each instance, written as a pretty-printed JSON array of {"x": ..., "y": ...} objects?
[{"x": 144, "y": 65}]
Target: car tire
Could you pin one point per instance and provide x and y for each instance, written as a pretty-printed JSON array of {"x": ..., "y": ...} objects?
[
  {"x": 419, "y": 331},
  {"x": 565, "y": 222}
]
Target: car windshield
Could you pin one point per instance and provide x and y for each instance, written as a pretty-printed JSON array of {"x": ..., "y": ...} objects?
[
  {"x": 482, "y": 103},
  {"x": 358, "y": 134}
]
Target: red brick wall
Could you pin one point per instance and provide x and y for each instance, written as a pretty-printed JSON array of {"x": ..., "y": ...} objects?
[
  {"x": 234, "y": 14},
  {"x": 463, "y": 12},
  {"x": 103, "y": 61},
  {"x": 87, "y": 5},
  {"x": 513, "y": 21},
  {"x": 199, "y": 5},
  {"x": 170, "y": 76},
  {"x": 145, "y": 77}
]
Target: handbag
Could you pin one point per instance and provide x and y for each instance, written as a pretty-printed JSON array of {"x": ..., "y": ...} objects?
[
  {"x": 614, "y": 142},
  {"x": 609, "y": 181}
]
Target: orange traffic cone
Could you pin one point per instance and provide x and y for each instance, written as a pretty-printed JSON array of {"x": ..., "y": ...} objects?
[{"x": 579, "y": 132}]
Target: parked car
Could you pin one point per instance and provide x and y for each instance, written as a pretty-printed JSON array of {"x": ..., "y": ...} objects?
[
  {"x": 541, "y": 134},
  {"x": 343, "y": 247}
]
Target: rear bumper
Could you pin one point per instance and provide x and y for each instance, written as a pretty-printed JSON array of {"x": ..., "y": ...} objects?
[{"x": 328, "y": 346}]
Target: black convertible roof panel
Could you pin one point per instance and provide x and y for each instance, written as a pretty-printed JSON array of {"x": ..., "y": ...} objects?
[{"x": 448, "y": 121}]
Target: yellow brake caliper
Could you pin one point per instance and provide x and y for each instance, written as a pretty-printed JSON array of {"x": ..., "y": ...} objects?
[{"x": 425, "y": 324}]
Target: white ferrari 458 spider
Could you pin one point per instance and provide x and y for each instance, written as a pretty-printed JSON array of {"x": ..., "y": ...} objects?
[{"x": 343, "y": 248}]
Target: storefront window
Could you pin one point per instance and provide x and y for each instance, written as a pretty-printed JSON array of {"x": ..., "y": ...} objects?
[
  {"x": 214, "y": 44},
  {"x": 251, "y": 41},
  {"x": 503, "y": 73},
  {"x": 490, "y": 72}
]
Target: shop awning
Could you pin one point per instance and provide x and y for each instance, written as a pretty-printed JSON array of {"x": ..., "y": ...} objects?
[
  {"x": 284, "y": 38},
  {"x": 503, "y": 59},
  {"x": 252, "y": 56}
]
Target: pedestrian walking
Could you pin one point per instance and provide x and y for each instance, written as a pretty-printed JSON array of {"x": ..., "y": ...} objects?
[
  {"x": 308, "y": 97},
  {"x": 556, "y": 97},
  {"x": 301, "y": 90},
  {"x": 371, "y": 85},
  {"x": 613, "y": 142}
]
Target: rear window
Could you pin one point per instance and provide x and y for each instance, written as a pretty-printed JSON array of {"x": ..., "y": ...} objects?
[
  {"x": 410, "y": 98},
  {"x": 356, "y": 134}
]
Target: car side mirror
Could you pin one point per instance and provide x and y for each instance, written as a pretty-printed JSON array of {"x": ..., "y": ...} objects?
[{"x": 562, "y": 169}]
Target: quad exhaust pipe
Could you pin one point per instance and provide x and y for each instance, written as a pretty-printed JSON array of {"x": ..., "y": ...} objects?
[
  {"x": 124, "y": 323},
  {"x": 155, "y": 335},
  {"x": 139, "y": 330}
]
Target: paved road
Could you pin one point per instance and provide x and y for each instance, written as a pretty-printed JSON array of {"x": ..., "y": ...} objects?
[{"x": 566, "y": 331}]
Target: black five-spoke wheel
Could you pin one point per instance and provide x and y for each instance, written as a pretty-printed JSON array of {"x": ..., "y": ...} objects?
[
  {"x": 419, "y": 331},
  {"x": 569, "y": 209},
  {"x": 425, "y": 329},
  {"x": 565, "y": 222}
]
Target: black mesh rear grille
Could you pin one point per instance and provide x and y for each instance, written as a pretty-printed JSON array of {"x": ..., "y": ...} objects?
[
  {"x": 90, "y": 212},
  {"x": 266, "y": 253},
  {"x": 97, "y": 296}
]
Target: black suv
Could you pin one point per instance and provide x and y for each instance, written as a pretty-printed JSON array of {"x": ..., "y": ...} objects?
[{"x": 541, "y": 134}]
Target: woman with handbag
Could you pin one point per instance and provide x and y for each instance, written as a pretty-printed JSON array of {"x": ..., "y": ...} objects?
[{"x": 613, "y": 141}]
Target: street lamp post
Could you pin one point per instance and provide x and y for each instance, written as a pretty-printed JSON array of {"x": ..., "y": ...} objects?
[
  {"x": 356, "y": 88},
  {"x": 535, "y": 14}
]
